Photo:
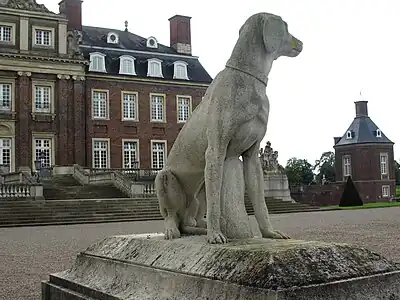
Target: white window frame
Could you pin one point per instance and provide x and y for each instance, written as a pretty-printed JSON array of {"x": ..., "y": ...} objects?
[
  {"x": 108, "y": 158},
  {"x": 157, "y": 120},
  {"x": 385, "y": 187},
  {"x": 11, "y": 84},
  {"x": 157, "y": 73},
  {"x": 349, "y": 135},
  {"x": 129, "y": 59},
  {"x": 7, "y": 25},
  {"x": 135, "y": 118},
  {"x": 101, "y": 65},
  {"x": 107, "y": 100},
  {"x": 178, "y": 107},
  {"x": 43, "y": 136},
  {"x": 10, "y": 148},
  {"x": 148, "y": 42},
  {"x": 180, "y": 64},
  {"x": 378, "y": 133},
  {"x": 137, "y": 151},
  {"x": 51, "y": 32},
  {"x": 51, "y": 86},
  {"x": 152, "y": 142},
  {"x": 346, "y": 161},
  {"x": 384, "y": 163},
  {"x": 110, "y": 41}
]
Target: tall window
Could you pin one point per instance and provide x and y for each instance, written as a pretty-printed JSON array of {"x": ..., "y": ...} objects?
[
  {"x": 127, "y": 65},
  {"x": 131, "y": 158},
  {"x": 158, "y": 155},
  {"x": 183, "y": 108},
  {"x": 346, "y": 165},
  {"x": 42, "y": 99},
  {"x": 384, "y": 163},
  {"x": 43, "y": 151},
  {"x": 100, "y": 104},
  {"x": 154, "y": 68},
  {"x": 5, "y": 33},
  {"x": 385, "y": 191},
  {"x": 42, "y": 37},
  {"x": 5, "y": 97},
  {"x": 100, "y": 154},
  {"x": 157, "y": 108},
  {"x": 180, "y": 70},
  {"x": 5, "y": 152},
  {"x": 129, "y": 106},
  {"x": 97, "y": 62}
]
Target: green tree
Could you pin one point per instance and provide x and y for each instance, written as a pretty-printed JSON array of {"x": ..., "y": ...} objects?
[
  {"x": 325, "y": 166},
  {"x": 397, "y": 172},
  {"x": 299, "y": 171}
]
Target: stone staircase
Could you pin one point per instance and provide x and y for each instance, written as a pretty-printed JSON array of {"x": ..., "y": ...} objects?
[
  {"x": 59, "y": 212},
  {"x": 67, "y": 187}
]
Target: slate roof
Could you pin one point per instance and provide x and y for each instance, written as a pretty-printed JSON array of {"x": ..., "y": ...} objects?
[
  {"x": 97, "y": 37},
  {"x": 364, "y": 131}
]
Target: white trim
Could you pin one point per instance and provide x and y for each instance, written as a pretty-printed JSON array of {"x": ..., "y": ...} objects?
[
  {"x": 138, "y": 52},
  {"x": 345, "y": 174},
  {"x": 12, "y": 100},
  {"x": 107, "y": 117},
  {"x": 43, "y": 83},
  {"x": 137, "y": 151},
  {"x": 183, "y": 64},
  {"x": 349, "y": 135},
  {"x": 378, "y": 133},
  {"x": 164, "y": 120},
  {"x": 151, "y": 151},
  {"x": 177, "y": 107},
  {"x": 43, "y": 136},
  {"x": 13, "y": 33},
  {"x": 136, "y": 119},
  {"x": 108, "y": 150},
  {"x": 388, "y": 191},
  {"x": 109, "y": 41},
  {"x": 384, "y": 155},
  {"x": 148, "y": 42},
  {"x": 51, "y": 36},
  {"x": 121, "y": 65},
  {"x": 159, "y": 63},
  {"x": 102, "y": 57}
]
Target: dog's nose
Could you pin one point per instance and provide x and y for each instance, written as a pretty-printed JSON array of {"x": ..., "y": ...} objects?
[{"x": 297, "y": 44}]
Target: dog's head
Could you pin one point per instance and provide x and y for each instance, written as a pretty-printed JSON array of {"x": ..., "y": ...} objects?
[{"x": 275, "y": 34}]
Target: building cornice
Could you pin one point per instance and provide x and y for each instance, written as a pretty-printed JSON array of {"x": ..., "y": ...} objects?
[
  {"x": 363, "y": 144},
  {"x": 33, "y": 14},
  {"x": 44, "y": 58},
  {"x": 138, "y": 52},
  {"x": 144, "y": 80}
]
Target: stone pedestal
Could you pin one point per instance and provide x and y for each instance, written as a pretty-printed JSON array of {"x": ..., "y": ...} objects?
[
  {"x": 276, "y": 185},
  {"x": 145, "y": 267}
]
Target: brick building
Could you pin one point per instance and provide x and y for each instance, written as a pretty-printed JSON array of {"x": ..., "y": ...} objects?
[
  {"x": 366, "y": 154},
  {"x": 97, "y": 97}
]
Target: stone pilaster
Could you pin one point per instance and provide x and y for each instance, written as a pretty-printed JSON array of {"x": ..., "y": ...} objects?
[
  {"x": 64, "y": 143},
  {"x": 79, "y": 120},
  {"x": 23, "y": 136}
]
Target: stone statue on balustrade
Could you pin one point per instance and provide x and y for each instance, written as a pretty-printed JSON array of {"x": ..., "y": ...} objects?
[
  {"x": 203, "y": 174},
  {"x": 269, "y": 159}
]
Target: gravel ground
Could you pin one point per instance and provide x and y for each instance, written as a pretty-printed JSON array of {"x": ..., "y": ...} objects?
[{"x": 29, "y": 254}]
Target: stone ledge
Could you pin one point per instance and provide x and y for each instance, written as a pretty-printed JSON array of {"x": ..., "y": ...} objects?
[{"x": 149, "y": 267}]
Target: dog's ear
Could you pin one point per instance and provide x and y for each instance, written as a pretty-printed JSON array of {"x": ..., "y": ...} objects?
[{"x": 273, "y": 32}]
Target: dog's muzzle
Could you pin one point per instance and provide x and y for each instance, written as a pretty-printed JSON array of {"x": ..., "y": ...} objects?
[{"x": 297, "y": 45}]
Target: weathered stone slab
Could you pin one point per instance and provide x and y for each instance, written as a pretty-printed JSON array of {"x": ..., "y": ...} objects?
[{"x": 149, "y": 267}]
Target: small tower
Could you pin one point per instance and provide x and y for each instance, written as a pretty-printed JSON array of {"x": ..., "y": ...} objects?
[{"x": 365, "y": 153}]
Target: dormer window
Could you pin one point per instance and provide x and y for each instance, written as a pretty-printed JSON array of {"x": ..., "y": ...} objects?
[
  {"x": 154, "y": 68},
  {"x": 378, "y": 133},
  {"x": 151, "y": 42},
  {"x": 180, "y": 70},
  {"x": 127, "y": 65},
  {"x": 112, "y": 38},
  {"x": 349, "y": 135},
  {"x": 97, "y": 62}
]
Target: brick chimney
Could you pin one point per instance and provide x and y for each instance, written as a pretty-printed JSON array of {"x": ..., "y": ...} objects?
[
  {"x": 72, "y": 9},
  {"x": 180, "y": 38},
  {"x": 361, "y": 108}
]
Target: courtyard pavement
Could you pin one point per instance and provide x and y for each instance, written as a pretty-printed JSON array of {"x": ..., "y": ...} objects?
[{"x": 29, "y": 254}]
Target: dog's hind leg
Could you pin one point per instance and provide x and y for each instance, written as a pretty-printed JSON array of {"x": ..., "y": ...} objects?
[
  {"x": 202, "y": 203},
  {"x": 172, "y": 202}
]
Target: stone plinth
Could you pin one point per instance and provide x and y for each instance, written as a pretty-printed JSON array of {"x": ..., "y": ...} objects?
[
  {"x": 149, "y": 267},
  {"x": 276, "y": 185}
]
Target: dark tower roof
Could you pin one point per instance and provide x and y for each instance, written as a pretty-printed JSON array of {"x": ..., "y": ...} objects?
[{"x": 362, "y": 130}]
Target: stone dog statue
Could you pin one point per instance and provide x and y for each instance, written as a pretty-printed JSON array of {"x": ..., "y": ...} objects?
[{"x": 230, "y": 122}]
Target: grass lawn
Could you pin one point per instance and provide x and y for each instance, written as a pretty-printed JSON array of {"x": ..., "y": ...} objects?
[{"x": 366, "y": 205}]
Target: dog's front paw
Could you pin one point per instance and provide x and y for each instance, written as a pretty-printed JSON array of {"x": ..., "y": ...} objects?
[
  {"x": 172, "y": 233},
  {"x": 216, "y": 237},
  {"x": 274, "y": 234}
]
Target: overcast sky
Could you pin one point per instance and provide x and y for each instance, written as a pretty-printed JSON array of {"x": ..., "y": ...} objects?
[{"x": 349, "y": 45}]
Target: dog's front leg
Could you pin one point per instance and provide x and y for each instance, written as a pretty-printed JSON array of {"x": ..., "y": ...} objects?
[
  {"x": 254, "y": 182},
  {"x": 215, "y": 156}
]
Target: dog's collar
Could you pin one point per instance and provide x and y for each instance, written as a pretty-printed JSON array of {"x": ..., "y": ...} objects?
[{"x": 263, "y": 81}]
